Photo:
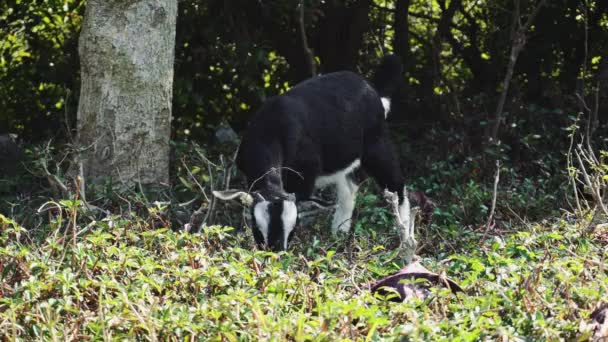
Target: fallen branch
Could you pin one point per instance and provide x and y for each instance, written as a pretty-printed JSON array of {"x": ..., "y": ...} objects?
[{"x": 594, "y": 181}]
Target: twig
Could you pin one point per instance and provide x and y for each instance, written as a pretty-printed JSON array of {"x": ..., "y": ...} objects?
[
  {"x": 200, "y": 187},
  {"x": 149, "y": 327},
  {"x": 44, "y": 207},
  {"x": 187, "y": 203},
  {"x": 591, "y": 261},
  {"x": 222, "y": 181},
  {"x": 212, "y": 201},
  {"x": 572, "y": 177},
  {"x": 271, "y": 170},
  {"x": 521, "y": 220},
  {"x": 494, "y": 195},
  {"x": 592, "y": 226},
  {"x": 594, "y": 185},
  {"x": 518, "y": 36},
  {"x": 202, "y": 156},
  {"x": 53, "y": 180},
  {"x": 75, "y": 210}
]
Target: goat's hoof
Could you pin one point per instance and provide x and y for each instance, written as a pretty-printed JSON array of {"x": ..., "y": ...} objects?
[{"x": 342, "y": 229}]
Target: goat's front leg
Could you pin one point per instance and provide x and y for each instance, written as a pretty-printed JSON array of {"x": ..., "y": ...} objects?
[{"x": 346, "y": 190}]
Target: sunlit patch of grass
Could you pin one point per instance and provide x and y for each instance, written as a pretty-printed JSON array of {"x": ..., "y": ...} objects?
[{"x": 122, "y": 279}]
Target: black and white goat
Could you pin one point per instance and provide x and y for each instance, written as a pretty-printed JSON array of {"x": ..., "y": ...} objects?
[{"x": 315, "y": 135}]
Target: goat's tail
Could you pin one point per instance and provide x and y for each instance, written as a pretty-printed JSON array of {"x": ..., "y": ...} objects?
[{"x": 388, "y": 75}]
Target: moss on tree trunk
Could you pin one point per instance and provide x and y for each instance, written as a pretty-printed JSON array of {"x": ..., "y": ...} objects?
[{"x": 124, "y": 115}]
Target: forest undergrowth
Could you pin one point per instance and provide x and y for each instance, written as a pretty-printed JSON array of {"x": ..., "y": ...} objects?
[{"x": 119, "y": 264}]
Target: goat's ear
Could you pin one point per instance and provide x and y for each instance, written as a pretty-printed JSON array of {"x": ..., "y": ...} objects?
[{"x": 229, "y": 195}]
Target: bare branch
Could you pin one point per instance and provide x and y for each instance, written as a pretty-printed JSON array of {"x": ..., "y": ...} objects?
[
  {"x": 307, "y": 50},
  {"x": 494, "y": 195},
  {"x": 518, "y": 37}
]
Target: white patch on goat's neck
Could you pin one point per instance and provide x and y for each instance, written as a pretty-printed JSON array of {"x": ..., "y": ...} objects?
[
  {"x": 386, "y": 103},
  {"x": 289, "y": 217},
  {"x": 262, "y": 218},
  {"x": 337, "y": 176},
  {"x": 346, "y": 191}
]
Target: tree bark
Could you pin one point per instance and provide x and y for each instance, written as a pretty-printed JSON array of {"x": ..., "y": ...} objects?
[
  {"x": 340, "y": 34},
  {"x": 126, "y": 50},
  {"x": 401, "y": 41},
  {"x": 518, "y": 36}
]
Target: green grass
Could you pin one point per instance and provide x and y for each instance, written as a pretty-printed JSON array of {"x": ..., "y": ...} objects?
[{"x": 119, "y": 278}]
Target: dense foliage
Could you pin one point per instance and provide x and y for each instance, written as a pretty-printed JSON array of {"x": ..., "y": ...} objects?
[
  {"x": 108, "y": 264},
  {"x": 38, "y": 65},
  {"x": 231, "y": 55},
  {"x": 119, "y": 278},
  {"x": 133, "y": 269}
]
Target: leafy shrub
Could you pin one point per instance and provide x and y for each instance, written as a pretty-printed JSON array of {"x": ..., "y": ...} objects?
[
  {"x": 119, "y": 278},
  {"x": 38, "y": 64}
]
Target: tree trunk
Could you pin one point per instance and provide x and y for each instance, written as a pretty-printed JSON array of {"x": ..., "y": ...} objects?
[
  {"x": 518, "y": 36},
  {"x": 126, "y": 52},
  {"x": 340, "y": 34},
  {"x": 401, "y": 41}
]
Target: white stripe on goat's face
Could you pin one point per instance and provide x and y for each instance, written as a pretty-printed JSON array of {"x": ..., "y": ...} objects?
[
  {"x": 262, "y": 219},
  {"x": 289, "y": 216},
  {"x": 274, "y": 222}
]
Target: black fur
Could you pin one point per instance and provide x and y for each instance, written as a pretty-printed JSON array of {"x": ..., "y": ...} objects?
[
  {"x": 388, "y": 76},
  {"x": 318, "y": 127}
]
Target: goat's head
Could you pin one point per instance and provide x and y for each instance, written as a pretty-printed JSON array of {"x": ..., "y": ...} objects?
[{"x": 274, "y": 215}]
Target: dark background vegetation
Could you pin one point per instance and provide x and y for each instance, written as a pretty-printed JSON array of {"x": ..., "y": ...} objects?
[{"x": 232, "y": 54}]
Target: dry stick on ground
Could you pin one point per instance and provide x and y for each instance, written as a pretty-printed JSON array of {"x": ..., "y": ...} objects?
[
  {"x": 211, "y": 215},
  {"x": 58, "y": 186},
  {"x": 592, "y": 226},
  {"x": 228, "y": 171},
  {"x": 494, "y": 195},
  {"x": 223, "y": 182},
  {"x": 405, "y": 225},
  {"x": 594, "y": 181},
  {"x": 592, "y": 113},
  {"x": 212, "y": 199},
  {"x": 518, "y": 37},
  {"x": 77, "y": 182},
  {"x": 195, "y": 218}
]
